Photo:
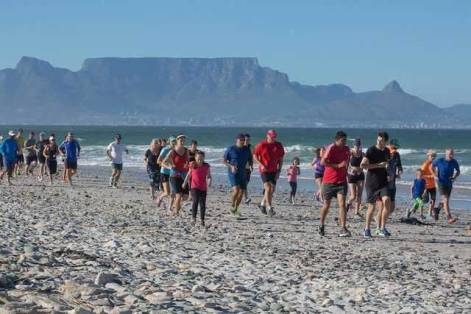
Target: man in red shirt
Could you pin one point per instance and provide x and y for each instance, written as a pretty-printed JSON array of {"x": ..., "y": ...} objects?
[
  {"x": 269, "y": 154},
  {"x": 334, "y": 183}
]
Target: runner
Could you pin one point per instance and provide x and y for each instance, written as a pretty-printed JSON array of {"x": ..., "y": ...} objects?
[
  {"x": 165, "y": 173},
  {"x": 115, "y": 152},
  {"x": 151, "y": 157},
  {"x": 318, "y": 171},
  {"x": 417, "y": 192},
  {"x": 248, "y": 168},
  {"x": 334, "y": 184},
  {"x": 20, "y": 160},
  {"x": 269, "y": 155},
  {"x": 236, "y": 158},
  {"x": 30, "y": 155},
  {"x": 292, "y": 173},
  {"x": 356, "y": 177},
  {"x": 43, "y": 141},
  {"x": 70, "y": 149},
  {"x": 429, "y": 176},
  {"x": 177, "y": 160},
  {"x": 193, "y": 150},
  {"x": 200, "y": 177},
  {"x": 447, "y": 170},
  {"x": 51, "y": 150},
  {"x": 394, "y": 170},
  {"x": 10, "y": 152},
  {"x": 376, "y": 183}
]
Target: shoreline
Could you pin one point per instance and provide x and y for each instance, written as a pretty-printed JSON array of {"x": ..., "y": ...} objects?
[{"x": 105, "y": 250}]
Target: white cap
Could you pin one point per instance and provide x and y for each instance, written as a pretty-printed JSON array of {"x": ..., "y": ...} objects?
[
  {"x": 11, "y": 133},
  {"x": 51, "y": 138}
]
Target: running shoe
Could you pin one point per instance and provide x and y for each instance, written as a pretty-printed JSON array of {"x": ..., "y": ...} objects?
[
  {"x": 237, "y": 212},
  {"x": 384, "y": 233},
  {"x": 377, "y": 231},
  {"x": 247, "y": 201},
  {"x": 345, "y": 233},
  {"x": 367, "y": 233},
  {"x": 452, "y": 220},
  {"x": 271, "y": 212},
  {"x": 111, "y": 182},
  {"x": 321, "y": 230},
  {"x": 262, "y": 208}
]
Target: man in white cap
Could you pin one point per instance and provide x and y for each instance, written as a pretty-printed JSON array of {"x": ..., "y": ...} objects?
[
  {"x": 269, "y": 155},
  {"x": 10, "y": 151}
]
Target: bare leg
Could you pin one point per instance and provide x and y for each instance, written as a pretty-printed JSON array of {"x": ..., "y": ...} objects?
[
  {"x": 386, "y": 211},
  {"x": 342, "y": 210},
  {"x": 324, "y": 211},
  {"x": 369, "y": 215}
]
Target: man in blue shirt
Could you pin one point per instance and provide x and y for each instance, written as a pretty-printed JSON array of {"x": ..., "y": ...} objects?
[
  {"x": 446, "y": 171},
  {"x": 236, "y": 158},
  {"x": 9, "y": 149},
  {"x": 70, "y": 149}
]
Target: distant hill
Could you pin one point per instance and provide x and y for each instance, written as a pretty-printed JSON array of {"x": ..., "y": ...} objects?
[{"x": 201, "y": 91}]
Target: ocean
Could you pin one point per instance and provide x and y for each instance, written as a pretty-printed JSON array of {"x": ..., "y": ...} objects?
[{"x": 297, "y": 141}]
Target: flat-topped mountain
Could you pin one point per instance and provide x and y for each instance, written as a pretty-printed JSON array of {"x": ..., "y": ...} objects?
[{"x": 199, "y": 91}]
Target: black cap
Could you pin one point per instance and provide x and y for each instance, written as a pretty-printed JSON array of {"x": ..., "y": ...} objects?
[{"x": 240, "y": 136}]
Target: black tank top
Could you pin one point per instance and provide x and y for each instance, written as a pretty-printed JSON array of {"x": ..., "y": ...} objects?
[{"x": 355, "y": 161}]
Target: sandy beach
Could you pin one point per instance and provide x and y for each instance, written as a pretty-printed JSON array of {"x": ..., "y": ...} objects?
[{"x": 91, "y": 248}]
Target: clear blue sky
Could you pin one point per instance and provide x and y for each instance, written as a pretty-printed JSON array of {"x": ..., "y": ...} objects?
[{"x": 425, "y": 45}]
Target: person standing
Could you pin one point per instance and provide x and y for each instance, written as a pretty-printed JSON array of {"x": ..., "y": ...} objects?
[
  {"x": 334, "y": 184},
  {"x": 115, "y": 152},
  {"x": 10, "y": 152},
  {"x": 151, "y": 157},
  {"x": 235, "y": 159},
  {"x": 248, "y": 168},
  {"x": 51, "y": 150},
  {"x": 269, "y": 155},
  {"x": 429, "y": 176},
  {"x": 40, "y": 145},
  {"x": 200, "y": 177},
  {"x": 30, "y": 155},
  {"x": 70, "y": 149},
  {"x": 447, "y": 170},
  {"x": 356, "y": 177},
  {"x": 376, "y": 183}
]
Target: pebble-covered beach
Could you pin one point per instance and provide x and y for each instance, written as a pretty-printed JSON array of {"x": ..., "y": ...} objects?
[{"x": 94, "y": 249}]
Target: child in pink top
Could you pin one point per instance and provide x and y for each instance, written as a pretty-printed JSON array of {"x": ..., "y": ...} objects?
[
  {"x": 199, "y": 177},
  {"x": 293, "y": 171}
]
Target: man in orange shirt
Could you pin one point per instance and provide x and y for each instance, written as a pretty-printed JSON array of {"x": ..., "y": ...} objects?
[{"x": 429, "y": 176}]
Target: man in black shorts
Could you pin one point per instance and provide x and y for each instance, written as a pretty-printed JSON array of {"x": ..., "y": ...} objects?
[
  {"x": 376, "y": 185},
  {"x": 248, "y": 168}
]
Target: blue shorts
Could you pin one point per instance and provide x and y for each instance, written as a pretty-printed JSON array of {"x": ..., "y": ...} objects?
[
  {"x": 238, "y": 179},
  {"x": 8, "y": 164}
]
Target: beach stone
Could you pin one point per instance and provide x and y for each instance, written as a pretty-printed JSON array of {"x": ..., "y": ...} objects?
[
  {"x": 157, "y": 297},
  {"x": 7, "y": 281},
  {"x": 79, "y": 310},
  {"x": 104, "y": 278}
]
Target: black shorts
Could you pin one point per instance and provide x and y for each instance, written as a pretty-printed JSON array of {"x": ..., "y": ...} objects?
[
  {"x": 69, "y": 164},
  {"x": 269, "y": 177},
  {"x": 445, "y": 190},
  {"x": 164, "y": 177},
  {"x": 330, "y": 190},
  {"x": 373, "y": 194},
  {"x": 117, "y": 167},
  {"x": 430, "y": 195},
  {"x": 176, "y": 186},
  {"x": 238, "y": 179},
  {"x": 355, "y": 178},
  {"x": 20, "y": 159},
  {"x": 41, "y": 159},
  {"x": 392, "y": 193},
  {"x": 52, "y": 166},
  {"x": 248, "y": 173},
  {"x": 30, "y": 159},
  {"x": 318, "y": 176}
]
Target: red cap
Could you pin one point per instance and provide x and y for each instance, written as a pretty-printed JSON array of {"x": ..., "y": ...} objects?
[{"x": 272, "y": 133}]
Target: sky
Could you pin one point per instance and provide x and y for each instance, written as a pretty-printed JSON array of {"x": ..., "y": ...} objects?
[{"x": 423, "y": 44}]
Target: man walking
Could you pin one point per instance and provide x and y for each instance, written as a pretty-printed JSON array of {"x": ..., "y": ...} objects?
[
  {"x": 70, "y": 149},
  {"x": 10, "y": 151}
]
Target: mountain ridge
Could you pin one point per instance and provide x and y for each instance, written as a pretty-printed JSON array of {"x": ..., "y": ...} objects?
[{"x": 202, "y": 91}]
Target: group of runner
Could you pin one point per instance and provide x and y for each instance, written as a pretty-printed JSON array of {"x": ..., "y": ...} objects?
[
  {"x": 18, "y": 154},
  {"x": 177, "y": 173}
]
